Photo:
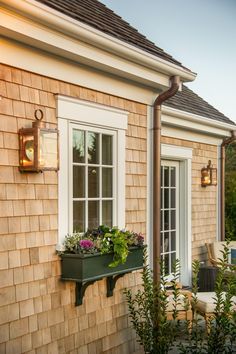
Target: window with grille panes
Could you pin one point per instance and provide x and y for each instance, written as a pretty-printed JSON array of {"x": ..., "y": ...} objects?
[
  {"x": 169, "y": 214},
  {"x": 93, "y": 178}
]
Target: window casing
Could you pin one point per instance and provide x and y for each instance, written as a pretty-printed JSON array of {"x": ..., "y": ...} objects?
[{"x": 109, "y": 124}]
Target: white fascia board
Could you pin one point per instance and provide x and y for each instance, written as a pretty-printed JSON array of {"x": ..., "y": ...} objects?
[
  {"x": 192, "y": 122},
  {"x": 72, "y": 30},
  {"x": 26, "y": 57}
]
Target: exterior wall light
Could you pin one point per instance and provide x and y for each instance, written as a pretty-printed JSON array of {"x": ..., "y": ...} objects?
[
  {"x": 38, "y": 147},
  {"x": 209, "y": 175}
]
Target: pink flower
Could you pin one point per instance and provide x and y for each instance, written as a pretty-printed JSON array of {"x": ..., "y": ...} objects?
[{"x": 86, "y": 244}]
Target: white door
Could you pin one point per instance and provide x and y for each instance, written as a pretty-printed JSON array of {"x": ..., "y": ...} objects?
[{"x": 169, "y": 214}]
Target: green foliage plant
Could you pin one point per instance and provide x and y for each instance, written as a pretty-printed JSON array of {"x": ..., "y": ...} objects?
[
  {"x": 222, "y": 328},
  {"x": 103, "y": 240},
  {"x": 148, "y": 311}
]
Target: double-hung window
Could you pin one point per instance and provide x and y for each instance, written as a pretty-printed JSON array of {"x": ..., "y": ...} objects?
[
  {"x": 93, "y": 177},
  {"x": 92, "y": 166}
]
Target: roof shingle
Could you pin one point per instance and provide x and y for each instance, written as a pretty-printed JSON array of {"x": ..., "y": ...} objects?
[
  {"x": 98, "y": 16},
  {"x": 188, "y": 101}
]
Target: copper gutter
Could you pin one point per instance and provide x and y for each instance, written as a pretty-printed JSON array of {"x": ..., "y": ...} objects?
[
  {"x": 175, "y": 82},
  {"x": 225, "y": 142}
]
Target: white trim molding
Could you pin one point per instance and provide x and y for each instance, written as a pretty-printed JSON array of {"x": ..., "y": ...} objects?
[
  {"x": 184, "y": 156},
  {"x": 191, "y": 122},
  {"x": 74, "y": 111}
]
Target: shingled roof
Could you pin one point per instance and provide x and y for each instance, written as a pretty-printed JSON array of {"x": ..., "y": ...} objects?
[
  {"x": 188, "y": 101},
  {"x": 98, "y": 16}
]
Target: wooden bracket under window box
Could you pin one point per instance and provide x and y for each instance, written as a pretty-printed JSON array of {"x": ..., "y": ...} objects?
[{"x": 85, "y": 269}]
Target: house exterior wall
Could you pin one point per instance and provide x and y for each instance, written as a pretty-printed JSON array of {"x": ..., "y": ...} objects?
[
  {"x": 37, "y": 313},
  {"x": 204, "y": 200}
]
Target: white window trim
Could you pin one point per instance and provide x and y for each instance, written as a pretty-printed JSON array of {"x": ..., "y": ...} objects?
[
  {"x": 184, "y": 155},
  {"x": 70, "y": 110}
]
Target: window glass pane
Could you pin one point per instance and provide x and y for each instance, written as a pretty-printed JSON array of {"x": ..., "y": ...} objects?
[
  {"x": 78, "y": 181},
  {"x": 107, "y": 212},
  {"x": 93, "y": 182},
  {"x": 107, "y": 150},
  {"x": 78, "y": 146},
  {"x": 78, "y": 216},
  {"x": 166, "y": 176},
  {"x": 162, "y": 220},
  {"x": 173, "y": 202},
  {"x": 107, "y": 182},
  {"x": 93, "y": 148},
  {"x": 93, "y": 214},
  {"x": 172, "y": 178}
]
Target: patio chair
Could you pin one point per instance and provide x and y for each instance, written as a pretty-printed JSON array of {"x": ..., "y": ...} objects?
[
  {"x": 215, "y": 249},
  {"x": 206, "y": 306}
]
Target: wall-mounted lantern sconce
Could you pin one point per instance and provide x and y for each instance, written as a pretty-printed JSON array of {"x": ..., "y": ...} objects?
[
  {"x": 209, "y": 175},
  {"x": 38, "y": 147}
]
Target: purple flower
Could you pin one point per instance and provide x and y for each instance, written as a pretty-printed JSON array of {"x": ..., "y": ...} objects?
[
  {"x": 140, "y": 239},
  {"x": 86, "y": 244}
]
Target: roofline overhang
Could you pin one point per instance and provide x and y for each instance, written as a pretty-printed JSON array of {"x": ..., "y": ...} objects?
[
  {"x": 80, "y": 31},
  {"x": 189, "y": 121}
]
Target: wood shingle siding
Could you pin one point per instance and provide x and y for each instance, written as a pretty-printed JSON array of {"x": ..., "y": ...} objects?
[{"x": 37, "y": 312}]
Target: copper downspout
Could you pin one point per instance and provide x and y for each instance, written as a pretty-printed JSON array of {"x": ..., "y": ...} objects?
[
  {"x": 175, "y": 82},
  {"x": 225, "y": 142}
]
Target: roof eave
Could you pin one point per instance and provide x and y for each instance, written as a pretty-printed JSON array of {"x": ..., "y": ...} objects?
[{"x": 76, "y": 29}]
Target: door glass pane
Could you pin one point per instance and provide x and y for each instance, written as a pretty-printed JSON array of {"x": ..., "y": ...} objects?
[
  {"x": 173, "y": 260},
  {"x": 166, "y": 264},
  {"x": 107, "y": 212},
  {"x": 78, "y": 146},
  {"x": 78, "y": 181},
  {"x": 93, "y": 182},
  {"x": 166, "y": 176},
  {"x": 166, "y": 198},
  {"x": 162, "y": 180},
  {"x": 173, "y": 241},
  {"x": 173, "y": 177},
  {"x": 166, "y": 220},
  {"x": 93, "y": 214},
  {"x": 107, "y": 149},
  {"x": 172, "y": 198},
  {"x": 78, "y": 216},
  {"x": 107, "y": 182},
  {"x": 162, "y": 243},
  {"x": 173, "y": 220},
  {"x": 166, "y": 242},
  {"x": 93, "y": 148}
]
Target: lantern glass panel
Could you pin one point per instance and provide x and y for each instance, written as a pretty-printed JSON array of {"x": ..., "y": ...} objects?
[
  {"x": 27, "y": 150},
  {"x": 214, "y": 176},
  {"x": 48, "y": 149}
]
